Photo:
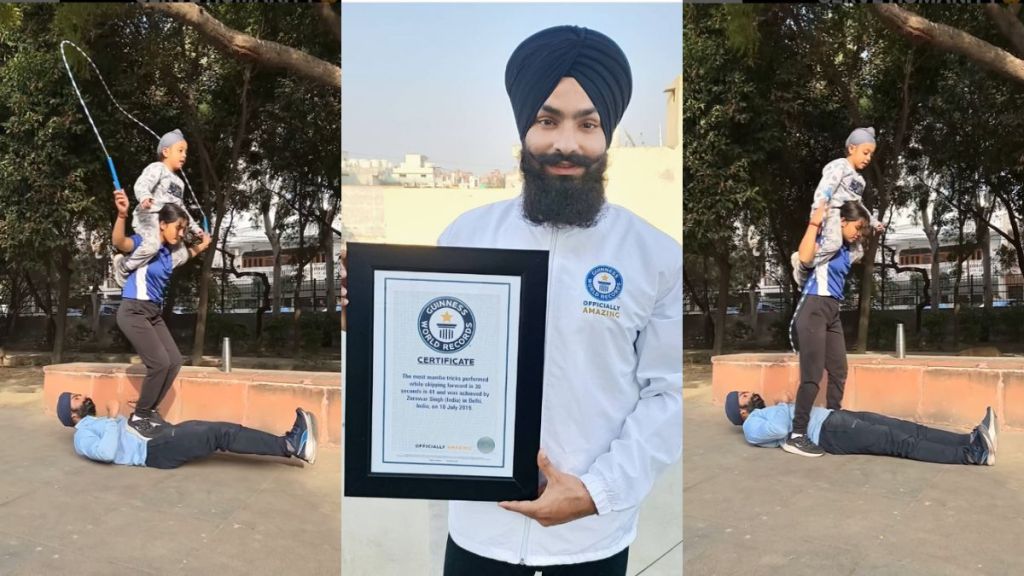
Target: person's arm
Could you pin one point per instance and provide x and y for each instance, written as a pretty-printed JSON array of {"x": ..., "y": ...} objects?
[
  {"x": 873, "y": 222},
  {"x": 117, "y": 237},
  {"x": 808, "y": 250},
  {"x": 767, "y": 427},
  {"x": 97, "y": 440},
  {"x": 179, "y": 257}
]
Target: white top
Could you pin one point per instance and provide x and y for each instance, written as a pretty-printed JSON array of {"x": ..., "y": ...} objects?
[{"x": 612, "y": 413}]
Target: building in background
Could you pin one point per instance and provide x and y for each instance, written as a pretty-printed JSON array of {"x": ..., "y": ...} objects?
[{"x": 416, "y": 172}]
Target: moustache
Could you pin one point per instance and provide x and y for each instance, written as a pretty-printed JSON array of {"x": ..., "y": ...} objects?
[{"x": 556, "y": 158}]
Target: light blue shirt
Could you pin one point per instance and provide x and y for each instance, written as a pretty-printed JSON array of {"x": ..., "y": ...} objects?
[
  {"x": 768, "y": 427},
  {"x": 109, "y": 440}
]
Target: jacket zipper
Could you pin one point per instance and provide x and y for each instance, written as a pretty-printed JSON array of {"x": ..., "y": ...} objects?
[{"x": 547, "y": 345}]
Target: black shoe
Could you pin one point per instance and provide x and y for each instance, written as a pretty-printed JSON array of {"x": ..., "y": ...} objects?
[
  {"x": 155, "y": 417},
  {"x": 802, "y": 446},
  {"x": 145, "y": 427},
  {"x": 990, "y": 425}
]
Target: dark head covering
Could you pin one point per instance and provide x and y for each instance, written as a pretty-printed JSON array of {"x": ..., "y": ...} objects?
[
  {"x": 732, "y": 408},
  {"x": 64, "y": 409},
  {"x": 593, "y": 59}
]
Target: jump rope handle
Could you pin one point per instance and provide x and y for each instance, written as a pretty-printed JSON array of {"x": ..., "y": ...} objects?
[
  {"x": 110, "y": 164},
  {"x": 206, "y": 225}
]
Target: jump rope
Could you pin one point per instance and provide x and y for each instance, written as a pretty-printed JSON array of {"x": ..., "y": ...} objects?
[{"x": 110, "y": 162}]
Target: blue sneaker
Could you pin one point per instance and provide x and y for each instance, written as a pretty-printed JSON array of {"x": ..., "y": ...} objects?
[{"x": 302, "y": 436}]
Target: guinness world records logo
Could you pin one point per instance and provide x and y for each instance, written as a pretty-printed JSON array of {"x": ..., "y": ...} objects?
[
  {"x": 446, "y": 324},
  {"x": 604, "y": 283}
]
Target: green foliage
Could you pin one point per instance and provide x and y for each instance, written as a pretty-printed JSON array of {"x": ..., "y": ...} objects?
[
  {"x": 882, "y": 331},
  {"x": 220, "y": 326},
  {"x": 1009, "y": 324},
  {"x": 740, "y": 332},
  {"x": 316, "y": 332},
  {"x": 973, "y": 325},
  {"x": 55, "y": 191},
  {"x": 277, "y": 331},
  {"x": 934, "y": 325}
]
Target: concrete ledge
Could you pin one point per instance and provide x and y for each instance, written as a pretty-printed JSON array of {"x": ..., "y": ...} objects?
[
  {"x": 950, "y": 390},
  {"x": 263, "y": 399}
]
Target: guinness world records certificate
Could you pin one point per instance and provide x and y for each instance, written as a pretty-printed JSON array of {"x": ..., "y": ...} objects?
[
  {"x": 444, "y": 376},
  {"x": 443, "y": 372}
]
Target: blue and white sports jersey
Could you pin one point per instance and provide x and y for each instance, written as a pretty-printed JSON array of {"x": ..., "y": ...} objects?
[
  {"x": 149, "y": 281},
  {"x": 828, "y": 277}
]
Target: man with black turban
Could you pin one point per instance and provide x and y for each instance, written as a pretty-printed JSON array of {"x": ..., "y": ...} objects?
[{"x": 612, "y": 415}]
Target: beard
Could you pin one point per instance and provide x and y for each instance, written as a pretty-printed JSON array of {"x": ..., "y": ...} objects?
[
  {"x": 563, "y": 200},
  {"x": 87, "y": 408},
  {"x": 756, "y": 402}
]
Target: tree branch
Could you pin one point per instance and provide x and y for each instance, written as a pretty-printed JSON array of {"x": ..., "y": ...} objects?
[
  {"x": 1009, "y": 25},
  {"x": 949, "y": 39},
  {"x": 971, "y": 210},
  {"x": 247, "y": 48}
]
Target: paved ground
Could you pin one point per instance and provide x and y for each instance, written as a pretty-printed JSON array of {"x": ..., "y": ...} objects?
[
  {"x": 407, "y": 537},
  {"x": 227, "y": 515},
  {"x": 755, "y": 511}
]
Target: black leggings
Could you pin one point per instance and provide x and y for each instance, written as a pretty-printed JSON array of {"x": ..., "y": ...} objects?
[
  {"x": 196, "y": 439},
  {"x": 461, "y": 562},
  {"x": 822, "y": 347},
  {"x": 145, "y": 329}
]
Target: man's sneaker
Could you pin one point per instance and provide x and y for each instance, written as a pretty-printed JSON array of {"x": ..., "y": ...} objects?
[
  {"x": 117, "y": 270},
  {"x": 146, "y": 427},
  {"x": 302, "y": 436},
  {"x": 802, "y": 446},
  {"x": 984, "y": 451},
  {"x": 990, "y": 424}
]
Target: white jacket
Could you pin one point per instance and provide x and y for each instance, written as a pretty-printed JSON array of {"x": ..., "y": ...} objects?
[{"x": 612, "y": 412}]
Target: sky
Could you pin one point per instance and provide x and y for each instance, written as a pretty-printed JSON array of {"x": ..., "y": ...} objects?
[{"x": 429, "y": 78}]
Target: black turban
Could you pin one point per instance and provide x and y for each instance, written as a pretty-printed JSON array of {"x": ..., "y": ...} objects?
[{"x": 592, "y": 58}]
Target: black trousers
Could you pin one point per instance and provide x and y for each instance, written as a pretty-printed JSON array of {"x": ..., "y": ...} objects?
[
  {"x": 145, "y": 329},
  {"x": 181, "y": 443},
  {"x": 461, "y": 562},
  {"x": 822, "y": 347},
  {"x": 846, "y": 432}
]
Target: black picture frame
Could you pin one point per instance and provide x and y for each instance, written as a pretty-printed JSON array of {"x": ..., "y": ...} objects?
[{"x": 531, "y": 266}]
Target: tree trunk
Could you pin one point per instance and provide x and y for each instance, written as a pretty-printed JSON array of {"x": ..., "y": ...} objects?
[
  {"x": 753, "y": 298},
  {"x": 223, "y": 187},
  {"x": 331, "y": 291},
  {"x": 867, "y": 286},
  {"x": 887, "y": 182},
  {"x": 986, "y": 264},
  {"x": 724, "y": 272},
  {"x": 273, "y": 233},
  {"x": 60, "y": 317}
]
